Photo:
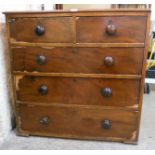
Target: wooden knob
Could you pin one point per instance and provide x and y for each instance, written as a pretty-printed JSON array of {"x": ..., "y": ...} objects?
[
  {"x": 44, "y": 121},
  {"x": 39, "y": 30},
  {"x": 106, "y": 124},
  {"x": 111, "y": 28},
  {"x": 108, "y": 61},
  {"x": 107, "y": 92},
  {"x": 41, "y": 59},
  {"x": 43, "y": 90}
]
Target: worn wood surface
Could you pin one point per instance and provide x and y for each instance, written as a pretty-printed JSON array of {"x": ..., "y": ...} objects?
[
  {"x": 106, "y": 12},
  {"x": 78, "y": 75},
  {"x": 128, "y": 29},
  {"x": 83, "y": 80},
  {"x": 78, "y": 60},
  {"x": 144, "y": 69},
  {"x": 78, "y": 122},
  {"x": 57, "y": 29},
  {"x": 28, "y": 44},
  {"x": 79, "y": 91}
]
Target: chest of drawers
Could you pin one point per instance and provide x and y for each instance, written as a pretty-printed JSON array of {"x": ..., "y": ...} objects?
[{"x": 78, "y": 74}]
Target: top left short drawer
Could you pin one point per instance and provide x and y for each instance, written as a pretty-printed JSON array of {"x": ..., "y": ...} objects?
[{"x": 42, "y": 30}]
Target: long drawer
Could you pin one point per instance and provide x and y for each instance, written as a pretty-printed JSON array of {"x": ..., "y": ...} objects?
[
  {"x": 40, "y": 30},
  {"x": 111, "y": 29},
  {"x": 78, "y": 122},
  {"x": 80, "y": 91},
  {"x": 78, "y": 60}
]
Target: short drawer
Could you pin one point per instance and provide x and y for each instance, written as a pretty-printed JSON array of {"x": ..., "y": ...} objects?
[
  {"x": 79, "y": 91},
  {"x": 53, "y": 29},
  {"x": 79, "y": 122},
  {"x": 78, "y": 60},
  {"x": 111, "y": 29}
]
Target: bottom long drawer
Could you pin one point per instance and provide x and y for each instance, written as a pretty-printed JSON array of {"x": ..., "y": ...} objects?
[{"x": 78, "y": 122}]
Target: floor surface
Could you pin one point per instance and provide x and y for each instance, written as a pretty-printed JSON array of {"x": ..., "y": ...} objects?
[{"x": 146, "y": 138}]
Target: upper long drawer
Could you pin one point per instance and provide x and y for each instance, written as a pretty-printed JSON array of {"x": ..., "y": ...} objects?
[
  {"x": 55, "y": 29},
  {"x": 78, "y": 60},
  {"x": 111, "y": 29}
]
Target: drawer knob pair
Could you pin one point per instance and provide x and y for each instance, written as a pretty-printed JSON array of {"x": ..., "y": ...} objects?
[
  {"x": 111, "y": 28},
  {"x": 41, "y": 59},
  {"x": 44, "y": 121},
  {"x": 108, "y": 61},
  {"x": 106, "y": 124},
  {"x": 43, "y": 89},
  {"x": 107, "y": 92},
  {"x": 39, "y": 30}
]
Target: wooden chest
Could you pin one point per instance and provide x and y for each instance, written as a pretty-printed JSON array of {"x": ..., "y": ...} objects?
[{"x": 78, "y": 74}]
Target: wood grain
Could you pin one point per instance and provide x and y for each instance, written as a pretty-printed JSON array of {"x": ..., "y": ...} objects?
[
  {"x": 78, "y": 60},
  {"x": 28, "y": 44},
  {"x": 106, "y": 12},
  {"x": 129, "y": 29},
  {"x": 79, "y": 122},
  {"x": 144, "y": 69},
  {"x": 78, "y": 75},
  {"x": 74, "y": 103},
  {"x": 57, "y": 29},
  {"x": 79, "y": 91}
]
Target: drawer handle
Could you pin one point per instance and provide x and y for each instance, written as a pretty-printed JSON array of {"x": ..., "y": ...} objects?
[
  {"x": 111, "y": 28},
  {"x": 107, "y": 92},
  {"x": 106, "y": 124},
  {"x": 44, "y": 121},
  {"x": 41, "y": 60},
  {"x": 40, "y": 30},
  {"x": 108, "y": 61},
  {"x": 43, "y": 90}
]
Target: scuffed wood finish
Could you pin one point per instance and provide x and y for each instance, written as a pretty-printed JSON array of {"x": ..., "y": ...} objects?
[
  {"x": 23, "y": 44},
  {"x": 78, "y": 60},
  {"x": 57, "y": 29},
  {"x": 128, "y": 29},
  {"x": 87, "y": 13},
  {"x": 73, "y": 122},
  {"x": 147, "y": 39},
  {"x": 79, "y": 91},
  {"x": 72, "y": 101},
  {"x": 79, "y": 75}
]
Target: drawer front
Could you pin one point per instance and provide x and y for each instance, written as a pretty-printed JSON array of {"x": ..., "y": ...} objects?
[
  {"x": 78, "y": 60},
  {"x": 54, "y": 29},
  {"x": 80, "y": 91},
  {"x": 111, "y": 29},
  {"x": 79, "y": 122}
]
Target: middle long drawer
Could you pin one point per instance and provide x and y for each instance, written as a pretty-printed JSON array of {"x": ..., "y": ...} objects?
[
  {"x": 82, "y": 91},
  {"x": 78, "y": 60}
]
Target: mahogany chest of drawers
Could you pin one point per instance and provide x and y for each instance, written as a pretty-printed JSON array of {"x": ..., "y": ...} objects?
[{"x": 78, "y": 74}]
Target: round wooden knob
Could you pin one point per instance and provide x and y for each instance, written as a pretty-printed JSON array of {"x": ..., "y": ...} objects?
[
  {"x": 43, "y": 90},
  {"x": 111, "y": 28},
  {"x": 107, "y": 92},
  {"x": 39, "y": 30},
  {"x": 108, "y": 61},
  {"x": 41, "y": 59},
  {"x": 44, "y": 120},
  {"x": 106, "y": 124}
]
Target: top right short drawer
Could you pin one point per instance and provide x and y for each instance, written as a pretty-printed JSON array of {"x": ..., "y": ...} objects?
[{"x": 112, "y": 29}]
